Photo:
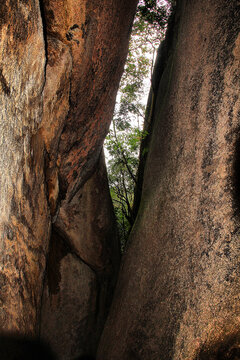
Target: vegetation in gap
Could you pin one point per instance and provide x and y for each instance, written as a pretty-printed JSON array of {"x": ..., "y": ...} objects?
[{"x": 126, "y": 133}]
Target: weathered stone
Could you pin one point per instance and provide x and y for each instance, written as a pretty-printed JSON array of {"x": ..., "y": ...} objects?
[
  {"x": 58, "y": 84},
  {"x": 98, "y": 44},
  {"x": 86, "y": 51},
  {"x": 55, "y": 109},
  {"x": 24, "y": 221},
  {"x": 178, "y": 293},
  {"x": 88, "y": 223},
  {"x": 82, "y": 270},
  {"x": 69, "y": 308}
]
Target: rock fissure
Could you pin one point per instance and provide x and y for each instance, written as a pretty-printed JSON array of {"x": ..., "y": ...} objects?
[
  {"x": 185, "y": 237},
  {"x": 177, "y": 295},
  {"x": 76, "y": 174},
  {"x": 44, "y": 26}
]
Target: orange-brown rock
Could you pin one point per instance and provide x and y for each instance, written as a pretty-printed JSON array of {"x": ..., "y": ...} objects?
[
  {"x": 59, "y": 73},
  {"x": 86, "y": 50},
  {"x": 55, "y": 110},
  {"x": 97, "y": 35},
  {"x": 178, "y": 294},
  {"x": 24, "y": 219}
]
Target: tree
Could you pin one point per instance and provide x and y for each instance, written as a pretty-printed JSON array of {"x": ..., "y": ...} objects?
[{"x": 126, "y": 133}]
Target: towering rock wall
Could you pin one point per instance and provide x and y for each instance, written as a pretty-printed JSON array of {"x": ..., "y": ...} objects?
[
  {"x": 25, "y": 218},
  {"x": 61, "y": 62},
  {"x": 178, "y": 292},
  {"x": 86, "y": 50},
  {"x": 81, "y": 272}
]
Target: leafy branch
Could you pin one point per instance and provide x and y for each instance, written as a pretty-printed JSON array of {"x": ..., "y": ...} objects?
[{"x": 126, "y": 133}]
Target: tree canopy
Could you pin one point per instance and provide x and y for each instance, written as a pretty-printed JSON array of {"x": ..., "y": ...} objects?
[{"x": 126, "y": 133}]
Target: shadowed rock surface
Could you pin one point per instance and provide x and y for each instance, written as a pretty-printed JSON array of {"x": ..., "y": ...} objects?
[
  {"x": 15, "y": 347},
  {"x": 86, "y": 51},
  {"x": 178, "y": 292},
  {"x": 61, "y": 62},
  {"x": 82, "y": 268}
]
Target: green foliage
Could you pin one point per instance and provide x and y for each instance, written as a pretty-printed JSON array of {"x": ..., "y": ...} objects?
[
  {"x": 123, "y": 147},
  {"x": 153, "y": 12},
  {"x": 126, "y": 133}
]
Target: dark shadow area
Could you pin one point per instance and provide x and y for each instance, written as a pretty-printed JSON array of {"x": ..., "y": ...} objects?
[
  {"x": 229, "y": 349},
  {"x": 44, "y": 23},
  {"x": 14, "y": 347},
  {"x": 58, "y": 249}
]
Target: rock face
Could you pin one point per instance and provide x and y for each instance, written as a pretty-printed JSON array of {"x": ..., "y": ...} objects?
[
  {"x": 178, "y": 292},
  {"x": 82, "y": 267},
  {"x": 98, "y": 45},
  {"x": 24, "y": 220},
  {"x": 86, "y": 51},
  {"x": 61, "y": 62}
]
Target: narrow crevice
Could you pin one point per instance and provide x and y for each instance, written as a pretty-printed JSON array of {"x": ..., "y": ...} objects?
[
  {"x": 44, "y": 26},
  {"x": 164, "y": 53}
]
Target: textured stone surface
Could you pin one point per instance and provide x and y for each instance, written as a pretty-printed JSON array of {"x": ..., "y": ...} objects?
[
  {"x": 82, "y": 269},
  {"x": 88, "y": 223},
  {"x": 97, "y": 34},
  {"x": 86, "y": 50},
  {"x": 24, "y": 220},
  {"x": 68, "y": 320},
  {"x": 55, "y": 110},
  {"x": 178, "y": 293},
  {"x": 61, "y": 62}
]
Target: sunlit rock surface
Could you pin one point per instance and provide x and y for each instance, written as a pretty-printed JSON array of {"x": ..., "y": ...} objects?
[{"x": 178, "y": 293}]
